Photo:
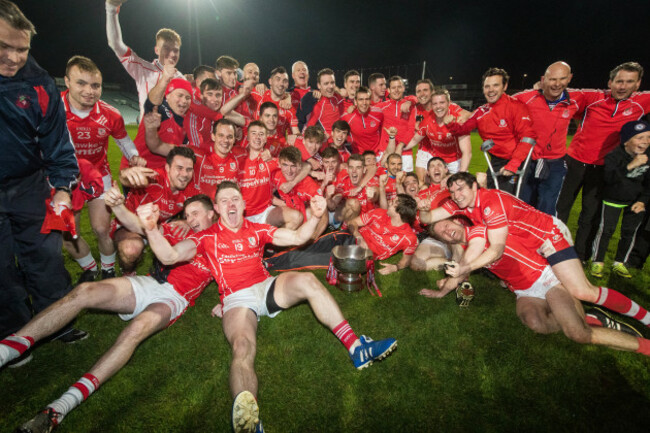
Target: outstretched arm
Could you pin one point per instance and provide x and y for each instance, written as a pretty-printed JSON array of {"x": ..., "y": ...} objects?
[{"x": 287, "y": 237}]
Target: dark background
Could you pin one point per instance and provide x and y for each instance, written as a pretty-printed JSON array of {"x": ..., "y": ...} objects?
[{"x": 459, "y": 39}]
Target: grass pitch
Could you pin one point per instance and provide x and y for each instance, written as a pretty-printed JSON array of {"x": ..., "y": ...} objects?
[{"x": 477, "y": 369}]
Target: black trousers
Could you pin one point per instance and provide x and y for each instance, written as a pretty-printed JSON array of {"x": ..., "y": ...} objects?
[
  {"x": 630, "y": 225},
  {"x": 590, "y": 178},
  {"x": 32, "y": 271},
  {"x": 506, "y": 183},
  {"x": 314, "y": 256}
]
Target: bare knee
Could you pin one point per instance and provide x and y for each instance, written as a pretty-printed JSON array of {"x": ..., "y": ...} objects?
[
  {"x": 535, "y": 321},
  {"x": 418, "y": 264},
  {"x": 243, "y": 348},
  {"x": 102, "y": 231},
  {"x": 579, "y": 334}
]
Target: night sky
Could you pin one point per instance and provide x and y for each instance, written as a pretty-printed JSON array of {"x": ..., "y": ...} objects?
[{"x": 459, "y": 39}]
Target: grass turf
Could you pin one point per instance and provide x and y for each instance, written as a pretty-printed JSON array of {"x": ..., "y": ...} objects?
[{"x": 477, "y": 369}]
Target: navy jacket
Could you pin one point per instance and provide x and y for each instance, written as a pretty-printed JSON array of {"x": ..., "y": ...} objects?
[{"x": 33, "y": 131}]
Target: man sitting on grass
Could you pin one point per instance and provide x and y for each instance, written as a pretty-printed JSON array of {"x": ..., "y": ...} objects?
[
  {"x": 233, "y": 248},
  {"x": 153, "y": 302},
  {"x": 544, "y": 304}
]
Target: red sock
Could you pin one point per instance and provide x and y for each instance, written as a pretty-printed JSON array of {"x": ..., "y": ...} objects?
[
  {"x": 592, "y": 321},
  {"x": 344, "y": 333},
  {"x": 616, "y": 301},
  {"x": 644, "y": 346},
  {"x": 18, "y": 343}
]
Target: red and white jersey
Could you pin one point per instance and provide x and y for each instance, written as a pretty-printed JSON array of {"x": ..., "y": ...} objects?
[
  {"x": 438, "y": 139},
  {"x": 146, "y": 74},
  {"x": 384, "y": 239},
  {"x": 210, "y": 170},
  {"x": 404, "y": 122},
  {"x": 170, "y": 131},
  {"x": 159, "y": 192},
  {"x": 300, "y": 195},
  {"x": 365, "y": 129},
  {"x": 519, "y": 266},
  {"x": 507, "y": 122},
  {"x": 343, "y": 185},
  {"x": 235, "y": 258},
  {"x": 254, "y": 178},
  {"x": 496, "y": 209},
  {"x": 391, "y": 188},
  {"x": 326, "y": 112},
  {"x": 550, "y": 125},
  {"x": 90, "y": 134},
  {"x": 275, "y": 143},
  {"x": 198, "y": 126},
  {"x": 188, "y": 278},
  {"x": 603, "y": 117},
  {"x": 286, "y": 118}
]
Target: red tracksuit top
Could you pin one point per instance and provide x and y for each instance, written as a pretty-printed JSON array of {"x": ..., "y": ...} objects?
[{"x": 507, "y": 122}]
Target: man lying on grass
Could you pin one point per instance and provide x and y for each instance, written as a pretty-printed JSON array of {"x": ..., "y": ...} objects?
[
  {"x": 544, "y": 304},
  {"x": 233, "y": 248},
  {"x": 152, "y": 302},
  {"x": 506, "y": 216}
]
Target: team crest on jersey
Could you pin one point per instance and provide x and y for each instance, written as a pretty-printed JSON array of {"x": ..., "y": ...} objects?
[
  {"x": 239, "y": 247},
  {"x": 448, "y": 135},
  {"x": 394, "y": 238},
  {"x": 101, "y": 132},
  {"x": 23, "y": 101},
  {"x": 566, "y": 114},
  {"x": 251, "y": 241},
  {"x": 502, "y": 123},
  {"x": 261, "y": 167},
  {"x": 170, "y": 130},
  {"x": 627, "y": 112},
  {"x": 232, "y": 165},
  {"x": 487, "y": 211},
  {"x": 373, "y": 124}
]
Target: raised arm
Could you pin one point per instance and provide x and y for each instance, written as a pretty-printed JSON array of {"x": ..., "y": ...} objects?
[
  {"x": 113, "y": 29},
  {"x": 168, "y": 255}
]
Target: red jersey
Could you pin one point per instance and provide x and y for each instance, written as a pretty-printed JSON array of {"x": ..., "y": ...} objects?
[
  {"x": 198, "y": 126},
  {"x": 286, "y": 118},
  {"x": 170, "y": 131},
  {"x": 404, "y": 122},
  {"x": 344, "y": 186},
  {"x": 384, "y": 239},
  {"x": 391, "y": 188},
  {"x": 254, "y": 178},
  {"x": 365, "y": 129},
  {"x": 496, "y": 209},
  {"x": 326, "y": 112},
  {"x": 300, "y": 195},
  {"x": 551, "y": 125},
  {"x": 519, "y": 266},
  {"x": 188, "y": 278},
  {"x": 90, "y": 134},
  {"x": 90, "y": 185},
  {"x": 211, "y": 169},
  {"x": 602, "y": 120},
  {"x": 508, "y": 123},
  {"x": 160, "y": 192},
  {"x": 439, "y": 141},
  {"x": 235, "y": 258}
]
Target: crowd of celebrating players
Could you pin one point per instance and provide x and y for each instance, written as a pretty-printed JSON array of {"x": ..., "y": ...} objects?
[{"x": 229, "y": 177}]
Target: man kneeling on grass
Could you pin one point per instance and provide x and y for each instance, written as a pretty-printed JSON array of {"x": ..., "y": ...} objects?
[
  {"x": 152, "y": 302},
  {"x": 233, "y": 248},
  {"x": 544, "y": 304}
]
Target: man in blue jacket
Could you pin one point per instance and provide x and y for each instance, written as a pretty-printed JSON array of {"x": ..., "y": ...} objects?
[{"x": 35, "y": 149}]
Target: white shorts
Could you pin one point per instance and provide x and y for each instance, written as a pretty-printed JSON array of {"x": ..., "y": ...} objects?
[
  {"x": 544, "y": 283},
  {"x": 253, "y": 297},
  {"x": 407, "y": 162},
  {"x": 422, "y": 158},
  {"x": 260, "y": 218},
  {"x": 148, "y": 291},
  {"x": 453, "y": 166},
  {"x": 108, "y": 184},
  {"x": 436, "y": 243}
]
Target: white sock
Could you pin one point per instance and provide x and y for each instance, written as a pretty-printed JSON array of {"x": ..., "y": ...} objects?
[
  {"x": 108, "y": 262},
  {"x": 13, "y": 346},
  {"x": 87, "y": 263},
  {"x": 75, "y": 395}
]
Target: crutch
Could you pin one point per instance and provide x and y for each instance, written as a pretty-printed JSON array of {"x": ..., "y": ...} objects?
[
  {"x": 522, "y": 172},
  {"x": 485, "y": 147}
]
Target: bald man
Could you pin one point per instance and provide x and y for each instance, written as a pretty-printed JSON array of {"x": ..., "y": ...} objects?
[{"x": 551, "y": 109}]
